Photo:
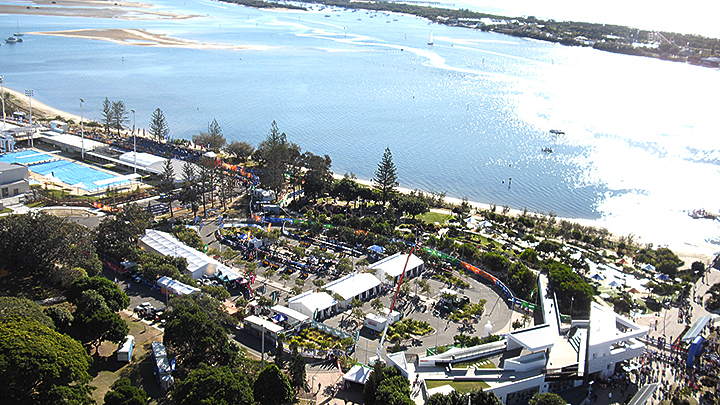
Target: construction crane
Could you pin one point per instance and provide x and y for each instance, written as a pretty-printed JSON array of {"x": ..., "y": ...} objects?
[{"x": 392, "y": 307}]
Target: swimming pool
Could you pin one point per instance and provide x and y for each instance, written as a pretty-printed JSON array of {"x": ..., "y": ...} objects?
[
  {"x": 68, "y": 172},
  {"x": 26, "y": 157}
]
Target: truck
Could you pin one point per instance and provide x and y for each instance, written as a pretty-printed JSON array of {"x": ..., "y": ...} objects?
[{"x": 163, "y": 369}]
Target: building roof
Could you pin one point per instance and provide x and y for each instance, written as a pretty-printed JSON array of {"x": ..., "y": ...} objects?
[
  {"x": 393, "y": 265},
  {"x": 272, "y": 327},
  {"x": 353, "y": 284},
  {"x": 358, "y": 374},
  {"x": 176, "y": 286},
  {"x": 696, "y": 329},
  {"x": 609, "y": 327},
  {"x": 314, "y": 300},
  {"x": 69, "y": 140},
  {"x": 644, "y": 393},
  {"x": 291, "y": 313},
  {"x": 168, "y": 245},
  {"x": 534, "y": 339},
  {"x": 144, "y": 160}
]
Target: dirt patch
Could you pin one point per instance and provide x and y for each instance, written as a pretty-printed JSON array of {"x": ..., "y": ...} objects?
[{"x": 106, "y": 369}]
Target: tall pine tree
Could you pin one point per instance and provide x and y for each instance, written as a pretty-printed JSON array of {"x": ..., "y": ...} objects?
[
  {"x": 386, "y": 176},
  {"x": 158, "y": 125}
]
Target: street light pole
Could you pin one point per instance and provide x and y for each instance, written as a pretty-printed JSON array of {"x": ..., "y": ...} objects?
[
  {"x": 2, "y": 93},
  {"x": 82, "y": 130},
  {"x": 262, "y": 349},
  {"x": 29, "y": 94},
  {"x": 134, "y": 144}
]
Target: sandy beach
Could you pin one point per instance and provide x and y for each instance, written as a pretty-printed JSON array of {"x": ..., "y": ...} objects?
[
  {"x": 44, "y": 110},
  {"x": 141, "y": 38},
  {"x": 90, "y": 8}
]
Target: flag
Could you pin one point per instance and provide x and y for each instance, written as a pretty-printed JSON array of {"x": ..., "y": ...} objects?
[
  {"x": 205, "y": 248},
  {"x": 269, "y": 225}
]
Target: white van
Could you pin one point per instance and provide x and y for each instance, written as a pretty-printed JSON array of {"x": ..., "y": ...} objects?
[{"x": 125, "y": 350}]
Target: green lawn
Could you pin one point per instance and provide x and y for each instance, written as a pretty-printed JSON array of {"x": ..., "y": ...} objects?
[
  {"x": 5, "y": 210},
  {"x": 106, "y": 369},
  {"x": 433, "y": 217},
  {"x": 479, "y": 363},
  {"x": 460, "y": 386}
]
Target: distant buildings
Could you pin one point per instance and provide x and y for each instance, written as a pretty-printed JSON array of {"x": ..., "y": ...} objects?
[{"x": 14, "y": 179}]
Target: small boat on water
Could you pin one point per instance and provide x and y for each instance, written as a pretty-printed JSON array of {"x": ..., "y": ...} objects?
[
  {"x": 12, "y": 40},
  {"x": 701, "y": 213},
  {"x": 557, "y": 132},
  {"x": 18, "y": 33},
  {"x": 431, "y": 39},
  {"x": 547, "y": 150}
]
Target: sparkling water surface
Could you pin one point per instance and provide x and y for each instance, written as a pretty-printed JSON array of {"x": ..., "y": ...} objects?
[{"x": 463, "y": 116}]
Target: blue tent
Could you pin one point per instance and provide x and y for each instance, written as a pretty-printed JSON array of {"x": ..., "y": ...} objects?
[
  {"x": 376, "y": 248},
  {"x": 663, "y": 277},
  {"x": 279, "y": 318}
]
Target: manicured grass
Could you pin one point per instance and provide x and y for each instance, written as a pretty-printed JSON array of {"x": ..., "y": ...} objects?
[
  {"x": 5, "y": 210},
  {"x": 460, "y": 386},
  {"x": 479, "y": 363},
  {"x": 433, "y": 217},
  {"x": 106, "y": 369}
]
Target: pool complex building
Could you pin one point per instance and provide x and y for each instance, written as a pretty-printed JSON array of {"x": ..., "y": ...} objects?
[{"x": 68, "y": 172}]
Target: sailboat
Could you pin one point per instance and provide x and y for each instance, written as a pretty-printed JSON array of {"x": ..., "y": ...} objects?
[
  {"x": 18, "y": 33},
  {"x": 431, "y": 39}
]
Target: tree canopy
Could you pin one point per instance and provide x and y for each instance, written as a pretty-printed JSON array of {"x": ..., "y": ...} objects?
[
  {"x": 114, "y": 297},
  {"x": 272, "y": 387},
  {"x": 39, "y": 244},
  {"x": 213, "y": 385},
  {"x": 24, "y": 308},
  {"x": 158, "y": 125},
  {"x": 213, "y": 139},
  {"x": 547, "y": 398},
  {"x": 122, "y": 392},
  {"x": 118, "y": 236},
  {"x": 196, "y": 338},
  {"x": 386, "y": 176},
  {"x": 39, "y": 365}
]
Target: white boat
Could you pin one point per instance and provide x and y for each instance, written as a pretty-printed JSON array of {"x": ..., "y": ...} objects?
[
  {"x": 431, "y": 39},
  {"x": 12, "y": 40},
  {"x": 18, "y": 33}
]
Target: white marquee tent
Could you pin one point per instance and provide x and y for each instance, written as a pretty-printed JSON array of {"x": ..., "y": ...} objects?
[
  {"x": 199, "y": 264},
  {"x": 393, "y": 266}
]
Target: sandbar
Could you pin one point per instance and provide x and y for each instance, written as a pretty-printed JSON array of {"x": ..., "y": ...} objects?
[
  {"x": 90, "y": 8},
  {"x": 142, "y": 38}
]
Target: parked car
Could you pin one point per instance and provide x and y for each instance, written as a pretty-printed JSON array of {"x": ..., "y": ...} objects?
[{"x": 142, "y": 309}]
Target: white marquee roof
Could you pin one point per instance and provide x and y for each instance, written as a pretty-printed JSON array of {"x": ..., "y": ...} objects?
[
  {"x": 393, "y": 265},
  {"x": 176, "y": 286},
  {"x": 291, "y": 313},
  {"x": 143, "y": 159},
  {"x": 353, "y": 284},
  {"x": 314, "y": 300},
  {"x": 168, "y": 245}
]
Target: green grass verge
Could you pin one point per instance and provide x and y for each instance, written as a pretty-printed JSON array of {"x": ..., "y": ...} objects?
[
  {"x": 480, "y": 363},
  {"x": 5, "y": 210},
  {"x": 460, "y": 386},
  {"x": 433, "y": 217}
]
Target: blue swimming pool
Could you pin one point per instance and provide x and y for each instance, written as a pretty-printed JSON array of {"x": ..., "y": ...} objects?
[
  {"x": 26, "y": 157},
  {"x": 68, "y": 172}
]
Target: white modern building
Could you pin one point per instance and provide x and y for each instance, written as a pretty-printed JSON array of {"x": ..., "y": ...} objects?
[
  {"x": 549, "y": 357},
  {"x": 199, "y": 264},
  {"x": 311, "y": 303},
  {"x": 392, "y": 266},
  {"x": 362, "y": 286},
  {"x": 294, "y": 317}
]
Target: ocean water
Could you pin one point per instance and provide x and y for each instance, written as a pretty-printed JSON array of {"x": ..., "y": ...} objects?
[{"x": 464, "y": 116}]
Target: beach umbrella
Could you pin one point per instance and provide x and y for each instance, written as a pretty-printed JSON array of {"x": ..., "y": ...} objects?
[
  {"x": 634, "y": 291},
  {"x": 597, "y": 277},
  {"x": 614, "y": 283},
  {"x": 648, "y": 267}
]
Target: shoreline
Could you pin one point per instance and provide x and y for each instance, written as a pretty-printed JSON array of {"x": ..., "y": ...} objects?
[
  {"x": 686, "y": 255},
  {"x": 44, "y": 109}
]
